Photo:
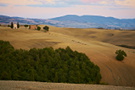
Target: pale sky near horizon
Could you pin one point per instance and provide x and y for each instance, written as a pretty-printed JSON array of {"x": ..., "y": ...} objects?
[{"x": 54, "y": 8}]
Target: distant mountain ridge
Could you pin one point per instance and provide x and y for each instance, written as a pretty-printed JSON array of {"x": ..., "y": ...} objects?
[
  {"x": 74, "y": 21},
  {"x": 98, "y": 21}
]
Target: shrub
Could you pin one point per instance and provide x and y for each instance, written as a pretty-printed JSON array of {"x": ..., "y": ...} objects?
[
  {"x": 120, "y": 55},
  {"x": 9, "y": 25},
  {"x": 46, "y": 28},
  {"x": 26, "y": 26},
  {"x": 38, "y": 28}
]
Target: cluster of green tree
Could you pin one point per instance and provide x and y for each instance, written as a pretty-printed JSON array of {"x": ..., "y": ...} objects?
[
  {"x": 47, "y": 65},
  {"x": 46, "y": 28}
]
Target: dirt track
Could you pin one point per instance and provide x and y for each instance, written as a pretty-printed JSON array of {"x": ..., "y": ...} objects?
[
  {"x": 101, "y": 53},
  {"x": 28, "y": 85}
]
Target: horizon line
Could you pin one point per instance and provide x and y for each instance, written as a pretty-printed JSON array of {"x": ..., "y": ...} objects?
[{"x": 62, "y": 16}]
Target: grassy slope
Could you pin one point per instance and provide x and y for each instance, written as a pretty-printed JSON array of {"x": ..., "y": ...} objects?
[{"x": 89, "y": 41}]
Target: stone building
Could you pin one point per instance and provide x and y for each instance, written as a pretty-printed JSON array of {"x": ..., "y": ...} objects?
[
  {"x": 14, "y": 26},
  {"x": 33, "y": 27}
]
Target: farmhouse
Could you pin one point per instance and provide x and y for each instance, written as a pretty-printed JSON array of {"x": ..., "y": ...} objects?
[
  {"x": 33, "y": 27},
  {"x": 14, "y": 26}
]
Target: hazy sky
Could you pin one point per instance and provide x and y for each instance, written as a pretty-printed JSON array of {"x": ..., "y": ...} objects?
[{"x": 54, "y": 8}]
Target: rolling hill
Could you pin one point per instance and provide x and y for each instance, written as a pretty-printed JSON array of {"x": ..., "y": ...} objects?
[
  {"x": 98, "y": 45},
  {"x": 74, "y": 21}
]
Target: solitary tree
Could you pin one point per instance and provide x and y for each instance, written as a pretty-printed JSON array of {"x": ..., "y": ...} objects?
[
  {"x": 38, "y": 28},
  {"x": 46, "y": 28},
  {"x": 120, "y": 55},
  {"x": 26, "y": 26},
  {"x": 12, "y": 25},
  {"x": 18, "y": 25},
  {"x": 9, "y": 25}
]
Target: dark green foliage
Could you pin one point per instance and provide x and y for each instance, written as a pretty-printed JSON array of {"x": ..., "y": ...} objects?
[
  {"x": 120, "y": 55},
  {"x": 5, "y": 47},
  {"x": 38, "y": 28},
  {"x": 26, "y": 26},
  {"x": 18, "y": 25},
  {"x": 12, "y": 25},
  {"x": 9, "y": 25},
  {"x": 46, "y": 28},
  {"x": 46, "y": 65}
]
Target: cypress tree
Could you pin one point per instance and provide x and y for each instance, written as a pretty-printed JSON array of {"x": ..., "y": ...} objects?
[
  {"x": 18, "y": 25},
  {"x": 12, "y": 25}
]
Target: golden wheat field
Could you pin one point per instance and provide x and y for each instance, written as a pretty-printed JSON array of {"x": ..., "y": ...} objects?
[{"x": 98, "y": 44}]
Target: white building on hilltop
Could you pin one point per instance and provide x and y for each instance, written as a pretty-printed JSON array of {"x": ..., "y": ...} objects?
[{"x": 14, "y": 26}]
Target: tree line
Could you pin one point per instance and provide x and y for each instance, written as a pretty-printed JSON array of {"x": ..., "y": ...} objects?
[
  {"x": 47, "y": 65},
  {"x": 46, "y": 28}
]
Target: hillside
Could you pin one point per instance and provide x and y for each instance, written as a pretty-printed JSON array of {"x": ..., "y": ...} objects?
[
  {"x": 116, "y": 37},
  {"x": 98, "y": 45},
  {"x": 74, "y": 21}
]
